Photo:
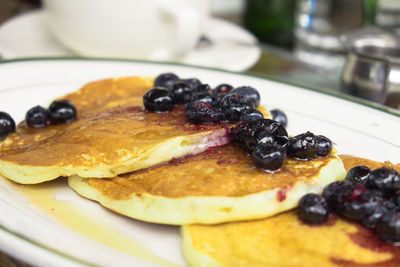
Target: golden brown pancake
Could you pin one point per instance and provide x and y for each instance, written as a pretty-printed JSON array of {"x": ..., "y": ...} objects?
[
  {"x": 216, "y": 186},
  {"x": 284, "y": 240},
  {"x": 112, "y": 135}
]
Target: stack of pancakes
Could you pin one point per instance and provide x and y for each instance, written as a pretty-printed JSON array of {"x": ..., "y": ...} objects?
[{"x": 158, "y": 167}]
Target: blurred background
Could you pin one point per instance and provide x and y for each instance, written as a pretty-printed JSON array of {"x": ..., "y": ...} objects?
[{"x": 348, "y": 46}]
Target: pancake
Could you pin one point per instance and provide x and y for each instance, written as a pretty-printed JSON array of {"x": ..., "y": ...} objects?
[
  {"x": 216, "y": 186},
  {"x": 284, "y": 240},
  {"x": 112, "y": 135}
]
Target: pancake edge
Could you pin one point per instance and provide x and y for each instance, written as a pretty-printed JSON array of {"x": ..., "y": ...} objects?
[
  {"x": 191, "y": 255},
  {"x": 212, "y": 210},
  {"x": 175, "y": 147}
]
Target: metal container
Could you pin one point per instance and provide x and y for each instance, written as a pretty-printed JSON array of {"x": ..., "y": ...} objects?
[{"x": 372, "y": 68}]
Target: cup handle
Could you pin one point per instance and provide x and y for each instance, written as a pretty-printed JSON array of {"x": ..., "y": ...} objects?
[{"x": 187, "y": 25}]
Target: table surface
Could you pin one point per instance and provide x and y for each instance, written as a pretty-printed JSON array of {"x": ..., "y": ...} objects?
[{"x": 274, "y": 62}]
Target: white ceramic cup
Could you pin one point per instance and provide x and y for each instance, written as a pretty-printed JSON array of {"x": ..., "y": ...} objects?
[{"x": 145, "y": 29}]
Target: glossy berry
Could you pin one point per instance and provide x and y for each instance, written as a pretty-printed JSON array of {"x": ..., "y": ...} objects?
[
  {"x": 233, "y": 106},
  {"x": 193, "y": 82},
  {"x": 62, "y": 112},
  {"x": 249, "y": 134},
  {"x": 251, "y": 115},
  {"x": 37, "y": 117},
  {"x": 222, "y": 89},
  {"x": 358, "y": 174},
  {"x": 324, "y": 146},
  {"x": 313, "y": 209},
  {"x": 303, "y": 146},
  {"x": 203, "y": 97},
  {"x": 182, "y": 92},
  {"x": 268, "y": 156},
  {"x": 334, "y": 191},
  {"x": 199, "y": 112},
  {"x": 158, "y": 100},
  {"x": 249, "y": 92},
  {"x": 201, "y": 88},
  {"x": 388, "y": 228},
  {"x": 7, "y": 125},
  {"x": 384, "y": 207},
  {"x": 385, "y": 179},
  {"x": 165, "y": 79},
  {"x": 280, "y": 116}
]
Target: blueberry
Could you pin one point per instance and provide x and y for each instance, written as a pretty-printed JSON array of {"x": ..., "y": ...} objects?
[
  {"x": 38, "y": 117},
  {"x": 62, "y": 111},
  {"x": 384, "y": 207},
  {"x": 251, "y": 115},
  {"x": 199, "y": 112},
  {"x": 324, "y": 146},
  {"x": 268, "y": 156},
  {"x": 192, "y": 82},
  {"x": 182, "y": 92},
  {"x": 222, "y": 89},
  {"x": 7, "y": 125},
  {"x": 385, "y": 179},
  {"x": 388, "y": 229},
  {"x": 334, "y": 191},
  {"x": 158, "y": 100},
  {"x": 303, "y": 146},
  {"x": 249, "y": 92},
  {"x": 280, "y": 116},
  {"x": 313, "y": 209},
  {"x": 233, "y": 106},
  {"x": 165, "y": 79},
  {"x": 249, "y": 134},
  {"x": 358, "y": 174},
  {"x": 203, "y": 97},
  {"x": 201, "y": 88}
]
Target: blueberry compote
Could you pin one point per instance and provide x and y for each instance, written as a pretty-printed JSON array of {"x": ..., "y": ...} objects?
[
  {"x": 368, "y": 197},
  {"x": 266, "y": 141}
]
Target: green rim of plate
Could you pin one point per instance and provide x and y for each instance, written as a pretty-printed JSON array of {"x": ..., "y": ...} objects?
[
  {"x": 353, "y": 99},
  {"x": 325, "y": 91}
]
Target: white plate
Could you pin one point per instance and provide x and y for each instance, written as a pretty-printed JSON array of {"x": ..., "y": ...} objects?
[
  {"x": 27, "y": 35},
  {"x": 37, "y": 237}
]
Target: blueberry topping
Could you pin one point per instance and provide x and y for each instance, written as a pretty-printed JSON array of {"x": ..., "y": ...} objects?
[
  {"x": 38, "y": 117},
  {"x": 333, "y": 192},
  {"x": 388, "y": 228},
  {"x": 251, "y": 115},
  {"x": 165, "y": 79},
  {"x": 182, "y": 92},
  {"x": 249, "y": 92},
  {"x": 233, "y": 106},
  {"x": 7, "y": 125},
  {"x": 201, "y": 88},
  {"x": 268, "y": 156},
  {"x": 303, "y": 146},
  {"x": 222, "y": 89},
  {"x": 203, "y": 97},
  {"x": 313, "y": 209},
  {"x": 158, "y": 100},
  {"x": 384, "y": 207},
  {"x": 280, "y": 116},
  {"x": 385, "y": 179},
  {"x": 358, "y": 174},
  {"x": 62, "y": 111},
  {"x": 199, "y": 112},
  {"x": 324, "y": 146},
  {"x": 192, "y": 82}
]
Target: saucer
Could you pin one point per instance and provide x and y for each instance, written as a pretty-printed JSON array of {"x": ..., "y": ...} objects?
[{"x": 231, "y": 47}]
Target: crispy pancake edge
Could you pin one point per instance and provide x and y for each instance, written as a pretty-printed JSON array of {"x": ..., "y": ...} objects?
[
  {"x": 171, "y": 148},
  {"x": 212, "y": 210}
]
